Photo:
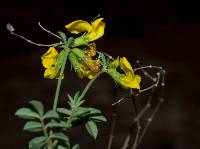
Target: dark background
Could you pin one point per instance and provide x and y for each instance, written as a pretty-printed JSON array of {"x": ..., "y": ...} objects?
[{"x": 157, "y": 32}]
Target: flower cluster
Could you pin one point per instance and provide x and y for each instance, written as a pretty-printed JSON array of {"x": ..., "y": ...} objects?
[{"x": 82, "y": 54}]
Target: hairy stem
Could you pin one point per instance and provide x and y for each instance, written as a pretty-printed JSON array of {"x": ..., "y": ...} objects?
[
  {"x": 60, "y": 80},
  {"x": 90, "y": 84},
  {"x": 48, "y": 141}
]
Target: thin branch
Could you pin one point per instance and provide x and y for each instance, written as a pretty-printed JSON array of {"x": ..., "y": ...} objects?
[
  {"x": 37, "y": 44},
  {"x": 118, "y": 101},
  {"x": 137, "y": 120},
  {"x": 149, "y": 120},
  {"x": 148, "y": 88},
  {"x": 147, "y": 67},
  {"x": 96, "y": 17},
  {"x": 128, "y": 137},
  {"x": 114, "y": 116},
  {"x": 147, "y": 106},
  {"x": 48, "y": 31},
  {"x": 136, "y": 142},
  {"x": 122, "y": 99},
  {"x": 145, "y": 72},
  {"x": 126, "y": 142},
  {"x": 109, "y": 56},
  {"x": 133, "y": 101},
  {"x": 111, "y": 136},
  {"x": 161, "y": 100},
  {"x": 153, "y": 85},
  {"x": 141, "y": 132},
  {"x": 138, "y": 123}
]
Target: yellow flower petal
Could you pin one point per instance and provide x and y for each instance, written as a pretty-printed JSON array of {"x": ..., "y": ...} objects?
[
  {"x": 83, "y": 73},
  {"x": 94, "y": 30},
  {"x": 97, "y": 30},
  {"x": 51, "y": 72},
  {"x": 126, "y": 80},
  {"x": 125, "y": 65},
  {"x": 90, "y": 76},
  {"x": 78, "y": 26},
  {"x": 116, "y": 62},
  {"x": 49, "y": 58},
  {"x": 97, "y": 23},
  {"x": 133, "y": 82}
]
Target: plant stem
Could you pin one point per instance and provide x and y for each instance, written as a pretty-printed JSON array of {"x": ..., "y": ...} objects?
[
  {"x": 113, "y": 123},
  {"x": 48, "y": 141},
  {"x": 60, "y": 80},
  {"x": 90, "y": 83}
]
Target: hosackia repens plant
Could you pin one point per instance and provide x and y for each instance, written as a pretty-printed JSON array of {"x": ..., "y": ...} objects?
[{"x": 79, "y": 50}]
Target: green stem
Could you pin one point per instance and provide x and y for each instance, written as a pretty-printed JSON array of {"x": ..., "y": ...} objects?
[
  {"x": 90, "y": 83},
  {"x": 48, "y": 141},
  {"x": 60, "y": 80}
]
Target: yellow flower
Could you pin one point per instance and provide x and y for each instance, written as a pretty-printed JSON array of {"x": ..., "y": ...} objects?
[
  {"x": 49, "y": 62},
  {"x": 93, "y": 65},
  {"x": 83, "y": 62},
  {"x": 126, "y": 80},
  {"x": 91, "y": 51},
  {"x": 85, "y": 71},
  {"x": 92, "y": 31}
]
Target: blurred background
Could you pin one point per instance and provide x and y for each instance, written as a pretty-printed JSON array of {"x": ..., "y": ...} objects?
[{"x": 157, "y": 32}]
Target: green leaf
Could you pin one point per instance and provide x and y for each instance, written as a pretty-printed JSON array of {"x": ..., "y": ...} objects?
[
  {"x": 74, "y": 61},
  {"x": 107, "y": 61},
  {"x": 51, "y": 114},
  {"x": 99, "y": 118},
  {"x": 76, "y": 146},
  {"x": 102, "y": 58},
  {"x": 71, "y": 100},
  {"x": 63, "y": 36},
  {"x": 60, "y": 58},
  {"x": 34, "y": 146},
  {"x": 27, "y": 113},
  {"x": 64, "y": 111},
  {"x": 37, "y": 142},
  {"x": 54, "y": 124},
  {"x": 80, "y": 111},
  {"x": 33, "y": 126},
  {"x": 79, "y": 103},
  {"x": 91, "y": 127},
  {"x": 94, "y": 111},
  {"x": 70, "y": 41},
  {"x": 38, "y": 106},
  {"x": 76, "y": 95},
  {"x": 61, "y": 147},
  {"x": 60, "y": 136}
]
